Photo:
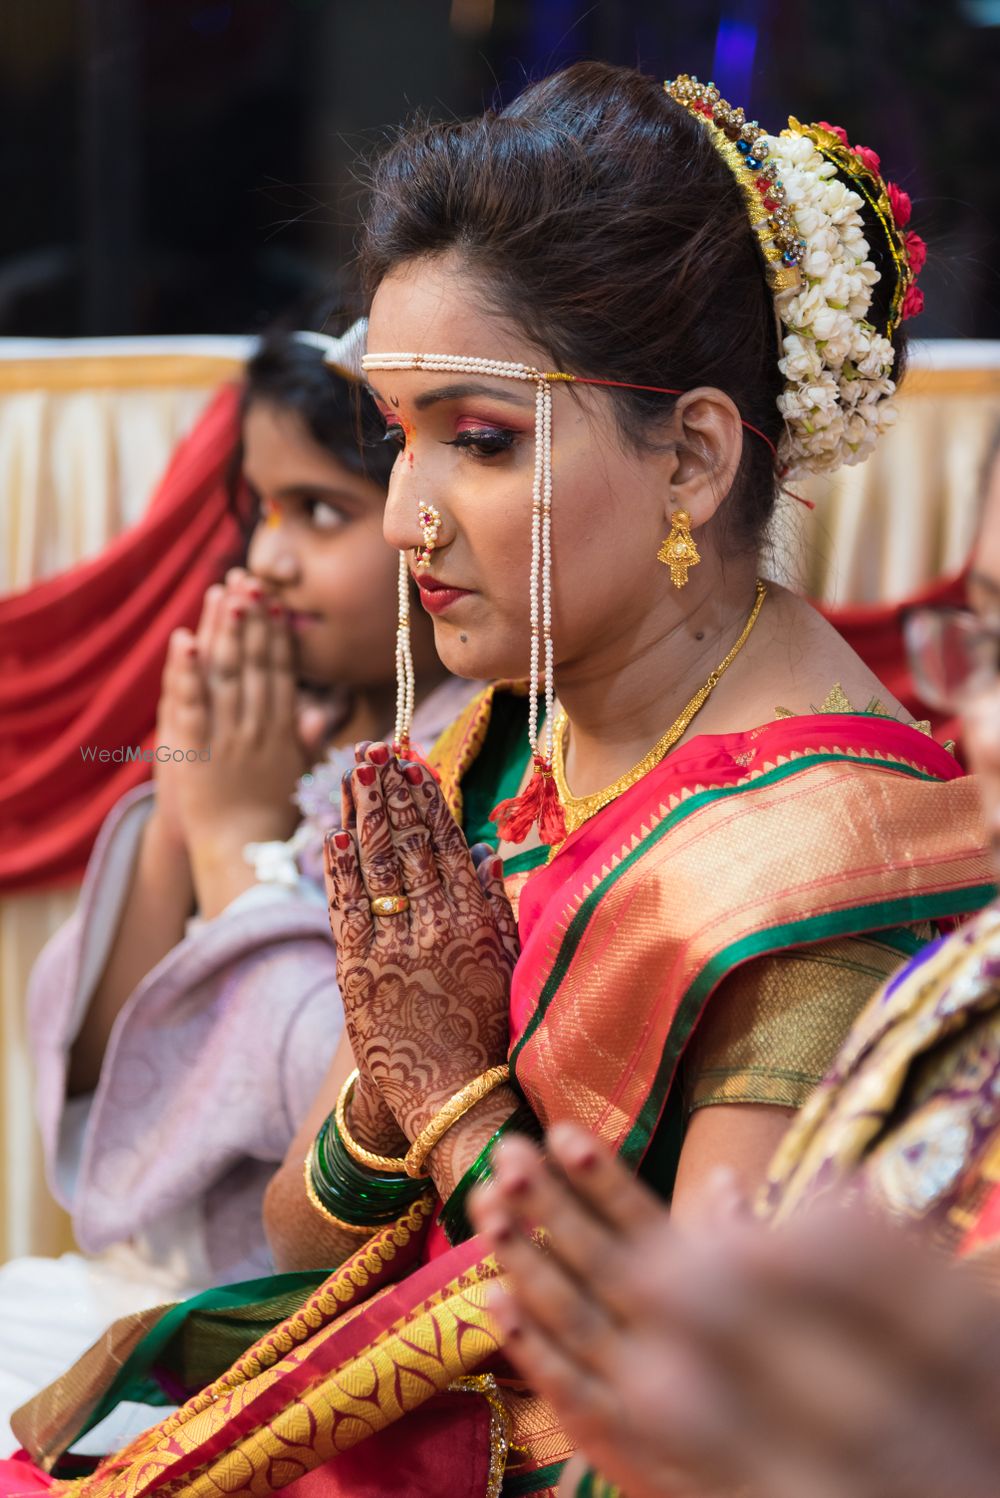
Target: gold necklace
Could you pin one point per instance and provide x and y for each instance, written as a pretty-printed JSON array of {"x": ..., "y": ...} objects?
[{"x": 579, "y": 809}]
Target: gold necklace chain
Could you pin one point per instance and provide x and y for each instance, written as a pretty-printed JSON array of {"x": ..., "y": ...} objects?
[{"x": 579, "y": 809}]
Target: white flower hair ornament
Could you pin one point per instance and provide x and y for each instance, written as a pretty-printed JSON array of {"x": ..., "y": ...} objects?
[{"x": 805, "y": 190}]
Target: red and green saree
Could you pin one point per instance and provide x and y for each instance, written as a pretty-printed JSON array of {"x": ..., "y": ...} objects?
[{"x": 389, "y": 1376}]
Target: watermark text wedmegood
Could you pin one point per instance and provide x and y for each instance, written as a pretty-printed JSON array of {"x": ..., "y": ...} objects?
[{"x": 125, "y": 753}]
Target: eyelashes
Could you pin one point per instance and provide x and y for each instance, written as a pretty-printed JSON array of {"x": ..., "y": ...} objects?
[
  {"x": 480, "y": 442},
  {"x": 487, "y": 442}
]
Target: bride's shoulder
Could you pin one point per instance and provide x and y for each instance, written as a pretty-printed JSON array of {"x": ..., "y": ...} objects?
[{"x": 811, "y": 668}]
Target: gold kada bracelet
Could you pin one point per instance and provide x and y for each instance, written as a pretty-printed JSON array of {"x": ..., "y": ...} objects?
[
  {"x": 471, "y": 1094},
  {"x": 357, "y": 1152}
]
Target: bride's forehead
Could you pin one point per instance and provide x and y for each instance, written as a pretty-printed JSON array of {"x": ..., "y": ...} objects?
[{"x": 424, "y": 309}]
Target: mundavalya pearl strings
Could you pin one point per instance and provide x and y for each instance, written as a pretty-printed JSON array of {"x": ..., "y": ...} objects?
[{"x": 541, "y": 670}]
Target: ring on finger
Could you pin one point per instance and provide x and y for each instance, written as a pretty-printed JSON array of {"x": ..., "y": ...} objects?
[{"x": 389, "y": 904}]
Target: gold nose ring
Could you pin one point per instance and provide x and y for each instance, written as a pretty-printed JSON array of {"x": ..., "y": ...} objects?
[{"x": 429, "y": 520}]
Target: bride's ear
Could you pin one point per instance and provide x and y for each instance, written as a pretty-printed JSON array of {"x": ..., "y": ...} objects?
[{"x": 708, "y": 435}]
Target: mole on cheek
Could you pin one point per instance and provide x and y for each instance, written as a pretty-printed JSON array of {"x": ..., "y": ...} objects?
[{"x": 464, "y": 639}]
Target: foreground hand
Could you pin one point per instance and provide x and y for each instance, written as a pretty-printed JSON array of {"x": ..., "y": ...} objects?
[
  {"x": 835, "y": 1357},
  {"x": 425, "y": 991}
]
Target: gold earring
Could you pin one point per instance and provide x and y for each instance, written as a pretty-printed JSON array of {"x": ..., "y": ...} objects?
[{"x": 679, "y": 551}]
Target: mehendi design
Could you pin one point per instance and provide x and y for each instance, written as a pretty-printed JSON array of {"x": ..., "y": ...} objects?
[{"x": 425, "y": 991}]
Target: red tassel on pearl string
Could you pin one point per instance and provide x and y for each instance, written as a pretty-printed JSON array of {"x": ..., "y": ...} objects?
[{"x": 538, "y": 802}]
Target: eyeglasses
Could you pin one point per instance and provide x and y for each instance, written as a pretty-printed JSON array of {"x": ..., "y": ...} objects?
[{"x": 954, "y": 656}]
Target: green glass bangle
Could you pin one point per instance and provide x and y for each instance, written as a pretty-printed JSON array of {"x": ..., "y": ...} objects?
[
  {"x": 347, "y": 1177},
  {"x": 371, "y": 1185},
  {"x": 348, "y": 1191},
  {"x": 349, "y": 1208},
  {"x": 452, "y": 1218}
]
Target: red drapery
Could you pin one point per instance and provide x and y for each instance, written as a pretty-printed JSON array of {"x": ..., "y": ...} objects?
[{"x": 81, "y": 655}]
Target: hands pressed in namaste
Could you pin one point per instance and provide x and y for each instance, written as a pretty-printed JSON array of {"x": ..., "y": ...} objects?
[{"x": 425, "y": 989}]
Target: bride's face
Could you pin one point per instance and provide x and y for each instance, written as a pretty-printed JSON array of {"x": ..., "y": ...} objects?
[{"x": 467, "y": 448}]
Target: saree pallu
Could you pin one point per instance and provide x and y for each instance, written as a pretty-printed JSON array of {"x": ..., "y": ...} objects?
[{"x": 735, "y": 847}]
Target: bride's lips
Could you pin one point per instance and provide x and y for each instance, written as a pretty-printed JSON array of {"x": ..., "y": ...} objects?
[{"x": 437, "y": 596}]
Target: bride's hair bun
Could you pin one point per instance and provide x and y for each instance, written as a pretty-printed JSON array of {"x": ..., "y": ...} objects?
[{"x": 821, "y": 211}]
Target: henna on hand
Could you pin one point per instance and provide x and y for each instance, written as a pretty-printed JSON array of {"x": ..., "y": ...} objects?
[
  {"x": 425, "y": 991},
  {"x": 370, "y": 1120}
]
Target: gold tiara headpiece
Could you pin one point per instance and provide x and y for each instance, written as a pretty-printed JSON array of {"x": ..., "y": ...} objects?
[{"x": 743, "y": 145}]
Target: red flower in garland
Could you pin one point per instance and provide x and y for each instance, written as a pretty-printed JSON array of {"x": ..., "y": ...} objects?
[
  {"x": 916, "y": 251},
  {"x": 837, "y": 130},
  {"x": 900, "y": 204},
  {"x": 913, "y": 303},
  {"x": 871, "y": 158}
]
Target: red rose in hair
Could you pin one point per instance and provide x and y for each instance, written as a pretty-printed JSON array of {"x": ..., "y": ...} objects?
[
  {"x": 837, "y": 130},
  {"x": 900, "y": 203},
  {"x": 916, "y": 250},
  {"x": 871, "y": 158},
  {"x": 913, "y": 302}
]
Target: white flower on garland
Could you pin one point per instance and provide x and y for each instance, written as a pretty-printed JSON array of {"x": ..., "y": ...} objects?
[{"x": 837, "y": 367}]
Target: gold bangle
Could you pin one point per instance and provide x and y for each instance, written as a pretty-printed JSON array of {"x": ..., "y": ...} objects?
[
  {"x": 357, "y": 1152},
  {"x": 471, "y": 1094},
  {"x": 337, "y": 1222}
]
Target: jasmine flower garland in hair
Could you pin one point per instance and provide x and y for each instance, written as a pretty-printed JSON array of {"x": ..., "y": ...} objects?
[
  {"x": 837, "y": 364},
  {"x": 837, "y": 367}
]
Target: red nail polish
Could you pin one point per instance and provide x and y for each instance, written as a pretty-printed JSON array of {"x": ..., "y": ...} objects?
[
  {"x": 366, "y": 774},
  {"x": 239, "y": 610},
  {"x": 585, "y": 1160},
  {"x": 255, "y": 591},
  {"x": 342, "y": 840},
  {"x": 379, "y": 755},
  {"x": 413, "y": 774},
  {"x": 496, "y": 868},
  {"x": 276, "y": 611}
]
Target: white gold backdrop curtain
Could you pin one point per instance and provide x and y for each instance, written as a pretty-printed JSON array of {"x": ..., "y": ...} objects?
[
  {"x": 86, "y": 429},
  {"x": 880, "y": 532}
]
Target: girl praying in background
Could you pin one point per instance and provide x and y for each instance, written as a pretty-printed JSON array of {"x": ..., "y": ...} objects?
[{"x": 183, "y": 1018}]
